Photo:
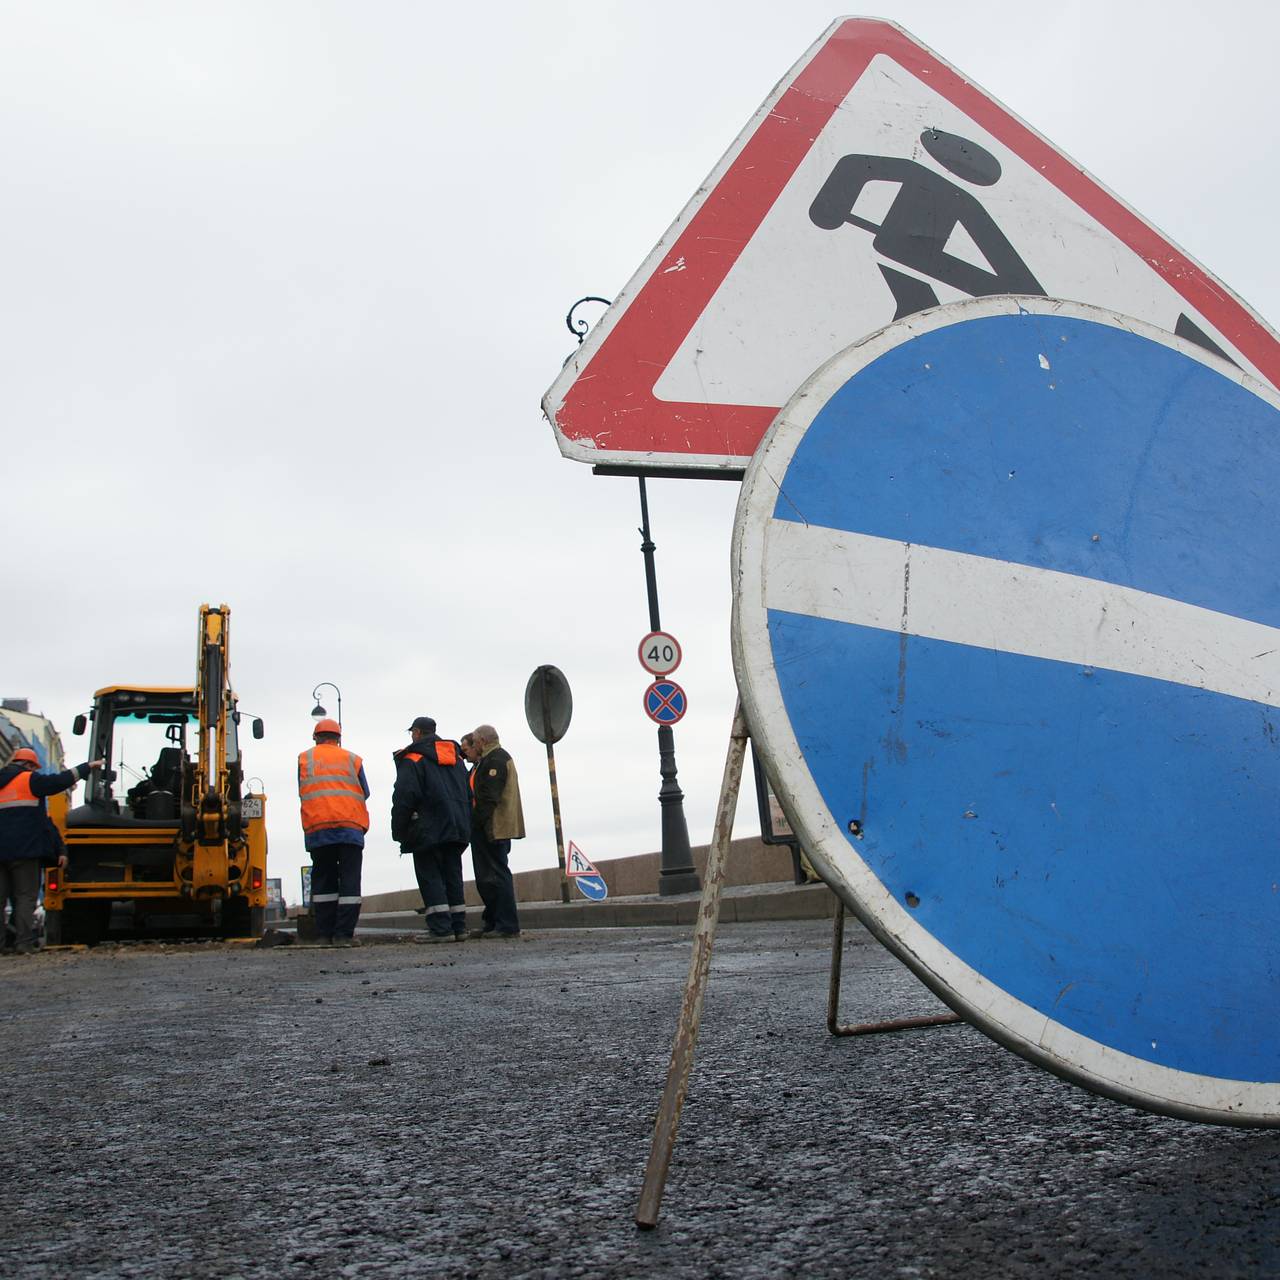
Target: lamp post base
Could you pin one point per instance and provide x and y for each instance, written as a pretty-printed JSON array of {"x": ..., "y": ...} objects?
[
  {"x": 677, "y": 873},
  {"x": 671, "y": 882}
]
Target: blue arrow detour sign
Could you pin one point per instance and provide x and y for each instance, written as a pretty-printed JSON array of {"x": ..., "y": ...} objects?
[
  {"x": 1007, "y": 631},
  {"x": 592, "y": 887}
]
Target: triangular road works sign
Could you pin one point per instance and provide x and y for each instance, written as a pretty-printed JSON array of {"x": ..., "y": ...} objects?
[
  {"x": 577, "y": 863},
  {"x": 876, "y": 181}
]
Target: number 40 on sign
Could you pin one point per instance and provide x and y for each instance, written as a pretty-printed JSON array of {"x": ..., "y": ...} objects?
[{"x": 660, "y": 653}]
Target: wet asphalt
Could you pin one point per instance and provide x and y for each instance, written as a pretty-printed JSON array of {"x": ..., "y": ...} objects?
[{"x": 486, "y": 1110}]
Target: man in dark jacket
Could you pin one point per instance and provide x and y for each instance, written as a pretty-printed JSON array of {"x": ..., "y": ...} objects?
[
  {"x": 26, "y": 839},
  {"x": 431, "y": 819}
]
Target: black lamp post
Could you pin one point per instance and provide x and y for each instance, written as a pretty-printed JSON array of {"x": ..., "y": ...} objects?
[
  {"x": 676, "y": 872},
  {"x": 318, "y": 712}
]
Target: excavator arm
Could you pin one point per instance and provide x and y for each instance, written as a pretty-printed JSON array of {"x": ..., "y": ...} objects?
[{"x": 212, "y": 833}]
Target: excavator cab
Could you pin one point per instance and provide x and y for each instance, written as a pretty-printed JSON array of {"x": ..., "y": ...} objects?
[{"x": 146, "y": 736}]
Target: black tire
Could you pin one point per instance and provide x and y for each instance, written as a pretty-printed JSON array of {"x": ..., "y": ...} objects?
[
  {"x": 238, "y": 918},
  {"x": 52, "y": 928},
  {"x": 257, "y": 921},
  {"x": 85, "y": 922}
]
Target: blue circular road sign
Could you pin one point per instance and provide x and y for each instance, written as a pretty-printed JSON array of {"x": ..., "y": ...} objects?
[
  {"x": 665, "y": 702},
  {"x": 592, "y": 887},
  {"x": 1007, "y": 630}
]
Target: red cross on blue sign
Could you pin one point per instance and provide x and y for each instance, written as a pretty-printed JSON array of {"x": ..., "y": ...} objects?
[{"x": 665, "y": 702}]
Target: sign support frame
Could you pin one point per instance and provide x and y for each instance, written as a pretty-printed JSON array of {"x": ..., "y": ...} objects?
[
  {"x": 555, "y": 797},
  {"x": 704, "y": 936}
]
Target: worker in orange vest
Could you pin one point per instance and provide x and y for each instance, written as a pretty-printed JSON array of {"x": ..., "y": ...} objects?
[
  {"x": 332, "y": 789},
  {"x": 27, "y": 838}
]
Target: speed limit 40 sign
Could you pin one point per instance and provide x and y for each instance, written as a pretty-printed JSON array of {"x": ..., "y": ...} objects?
[{"x": 660, "y": 653}]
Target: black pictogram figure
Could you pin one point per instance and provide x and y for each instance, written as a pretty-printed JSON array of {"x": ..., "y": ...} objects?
[
  {"x": 1186, "y": 327},
  {"x": 922, "y": 218}
]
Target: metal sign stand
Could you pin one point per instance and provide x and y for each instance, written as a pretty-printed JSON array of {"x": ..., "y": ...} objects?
[
  {"x": 548, "y": 707},
  {"x": 866, "y": 1028},
  {"x": 704, "y": 932},
  {"x": 555, "y": 795}
]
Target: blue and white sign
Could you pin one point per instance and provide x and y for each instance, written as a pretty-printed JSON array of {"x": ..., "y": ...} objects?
[
  {"x": 1007, "y": 630},
  {"x": 585, "y": 874},
  {"x": 592, "y": 887}
]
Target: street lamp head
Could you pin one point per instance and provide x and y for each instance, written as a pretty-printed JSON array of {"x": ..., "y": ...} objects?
[{"x": 318, "y": 712}]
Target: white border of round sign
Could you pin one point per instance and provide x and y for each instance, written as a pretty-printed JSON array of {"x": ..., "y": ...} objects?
[
  {"x": 1007, "y": 1020},
  {"x": 664, "y": 635}
]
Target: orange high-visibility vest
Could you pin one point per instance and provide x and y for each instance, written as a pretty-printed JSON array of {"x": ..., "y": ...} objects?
[
  {"x": 329, "y": 789},
  {"x": 16, "y": 793}
]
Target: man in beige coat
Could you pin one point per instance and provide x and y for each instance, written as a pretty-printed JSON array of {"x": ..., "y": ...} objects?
[{"x": 496, "y": 819}]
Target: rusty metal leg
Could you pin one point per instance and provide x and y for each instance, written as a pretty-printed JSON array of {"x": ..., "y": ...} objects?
[
  {"x": 704, "y": 932},
  {"x": 866, "y": 1028}
]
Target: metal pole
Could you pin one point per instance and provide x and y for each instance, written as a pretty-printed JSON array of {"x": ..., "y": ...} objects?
[
  {"x": 676, "y": 873},
  {"x": 555, "y": 792},
  {"x": 647, "y": 548},
  {"x": 555, "y": 810},
  {"x": 704, "y": 934}
]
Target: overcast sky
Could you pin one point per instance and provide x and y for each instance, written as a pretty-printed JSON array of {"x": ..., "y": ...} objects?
[{"x": 284, "y": 284}]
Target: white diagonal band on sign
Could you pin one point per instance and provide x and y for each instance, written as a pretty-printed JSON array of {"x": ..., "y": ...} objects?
[{"x": 1016, "y": 608}]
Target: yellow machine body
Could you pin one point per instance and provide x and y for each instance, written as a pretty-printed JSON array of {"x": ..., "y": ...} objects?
[{"x": 185, "y": 847}]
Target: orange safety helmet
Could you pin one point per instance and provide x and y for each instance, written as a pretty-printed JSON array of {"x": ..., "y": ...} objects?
[
  {"x": 24, "y": 755},
  {"x": 326, "y": 726}
]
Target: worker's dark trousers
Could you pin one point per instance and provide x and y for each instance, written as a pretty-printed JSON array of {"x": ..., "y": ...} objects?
[
  {"x": 20, "y": 882},
  {"x": 335, "y": 889},
  {"x": 494, "y": 884},
  {"x": 439, "y": 871}
]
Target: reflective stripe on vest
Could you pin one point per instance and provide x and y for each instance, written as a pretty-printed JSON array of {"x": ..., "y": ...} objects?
[
  {"x": 16, "y": 793},
  {"x": 330, "y": 791}
]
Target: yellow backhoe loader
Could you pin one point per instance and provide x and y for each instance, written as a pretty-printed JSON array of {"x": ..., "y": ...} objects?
[{"x": 169, "y": 838}]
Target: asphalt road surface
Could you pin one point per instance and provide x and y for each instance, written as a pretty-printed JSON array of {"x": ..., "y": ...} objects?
[{"x": 486, "y": 1110}]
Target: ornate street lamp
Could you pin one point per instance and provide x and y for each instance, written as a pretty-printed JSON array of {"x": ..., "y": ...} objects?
[{"x": 318, "y": 712}]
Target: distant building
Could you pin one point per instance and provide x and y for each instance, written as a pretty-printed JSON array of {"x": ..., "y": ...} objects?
[{"x": 20, "y": 728}]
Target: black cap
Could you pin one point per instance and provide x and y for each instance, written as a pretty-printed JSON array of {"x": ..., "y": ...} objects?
[{"x": 424, "y": 724}]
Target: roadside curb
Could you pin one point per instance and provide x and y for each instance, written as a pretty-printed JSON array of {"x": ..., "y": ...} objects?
[{"x": 738, "y": 905}]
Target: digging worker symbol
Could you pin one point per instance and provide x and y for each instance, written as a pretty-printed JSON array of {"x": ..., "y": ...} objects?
[
  {"x": 923, "y": 218},
  {"x": 333, "y": 790}
]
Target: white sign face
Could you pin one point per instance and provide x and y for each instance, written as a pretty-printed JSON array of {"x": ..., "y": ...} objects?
[
  {"x": 875, "y": 183},
  {"x": 660, "y": 653},
  {"x": 251, "y": 807}
]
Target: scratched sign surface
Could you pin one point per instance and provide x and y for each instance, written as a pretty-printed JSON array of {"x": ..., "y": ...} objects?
[
  {"x": 876, "y": 181},
  {"x": 1007, "y": 629}
]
